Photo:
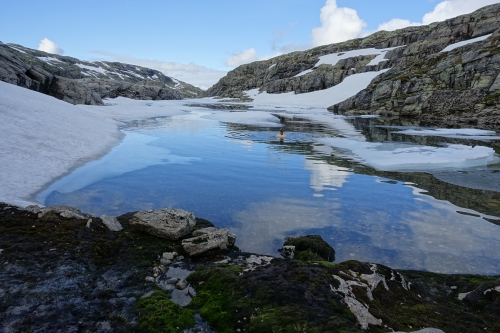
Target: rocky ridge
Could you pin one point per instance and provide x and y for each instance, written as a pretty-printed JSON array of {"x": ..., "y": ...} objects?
[
  {"x": 63, "y": 273},
  {"x": 460, "y": 85},
  {"x": 81, "y": 82}
]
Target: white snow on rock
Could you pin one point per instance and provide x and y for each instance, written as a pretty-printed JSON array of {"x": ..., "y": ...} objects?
[
  {"x": 49, "y": 60},
  {"x": 320, "y": 98},
  {"x": 92, "y": 68},
  {"x": 465, "y": 42},
  {"x": 333, "y": 58},
  {"x": 18, "y": 50}
]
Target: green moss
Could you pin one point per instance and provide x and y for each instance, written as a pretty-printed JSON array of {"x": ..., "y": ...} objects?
[
  {"x": 491, "y": 99},
  {"x": 314, "y": 246},
  {"x": 157, "y": 313}
]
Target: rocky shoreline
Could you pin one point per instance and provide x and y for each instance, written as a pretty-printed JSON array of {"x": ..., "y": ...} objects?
[{"x": 66, "y": 271}]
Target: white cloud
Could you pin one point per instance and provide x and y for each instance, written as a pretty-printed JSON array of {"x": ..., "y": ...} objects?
[
  {"x": 444, "y": 10},
  {"x": 396, "y": 24},
  {"x": 337, "y": 25},
  {"x": 242, "y": 57},
  {"x": 451, "y": 8},
  {"x": 49, "y": 46},
  {"x": 197, "y": 75}
]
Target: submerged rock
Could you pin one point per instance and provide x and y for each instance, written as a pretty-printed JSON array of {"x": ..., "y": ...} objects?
[{"x": 167, "y": 223}]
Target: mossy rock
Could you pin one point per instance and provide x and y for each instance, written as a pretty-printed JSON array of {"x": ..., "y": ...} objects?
[
  {"x": 311, "y": 247},
  {"x": 157, "y": 313}
]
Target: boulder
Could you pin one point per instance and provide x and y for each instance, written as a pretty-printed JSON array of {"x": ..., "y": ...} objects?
[
  {"x": 169, "y": 223},
  {"x": 64, "y": 211},
  {"x": 111, "y": 222},
  {"x": 311, "y": 247},
  {"x": 208, "y": 239},
  {"x": 208, "y": 230}
]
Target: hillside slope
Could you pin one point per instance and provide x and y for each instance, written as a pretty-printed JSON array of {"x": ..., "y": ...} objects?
[
  {"x": 80, "y": 82},
  {"x": 457, "y": 85}
]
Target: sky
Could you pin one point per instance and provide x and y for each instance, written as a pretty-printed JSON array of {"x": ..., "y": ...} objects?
[{"x": 199, "y": 41}]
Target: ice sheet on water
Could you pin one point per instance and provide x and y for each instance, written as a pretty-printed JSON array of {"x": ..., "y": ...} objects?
[
  {"x": 257, "y": 118},
  {"x": 459, "y": 133},
  {"x": 118, "y": 162},
  {"x": 409, "y": 157},
  {"x": 465, "y": 42}
]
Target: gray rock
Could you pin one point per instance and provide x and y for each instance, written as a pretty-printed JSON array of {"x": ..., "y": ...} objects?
[
  {"x": 204, "y": 231},
  {"x": 287, "y": 251},
  {"x": 169, "y": 255},
  {"x": 208, "y": 239},
  {"x": 165, "y": 262},
  {"x": 111, "y": 222},
  {"x": 35, "y": 209},
  {"x": 182, "y": 284},
  {"x": 149, "y": 279},
  {"x": 64, "y": 211},
  {"x": 167, "y": 223}
]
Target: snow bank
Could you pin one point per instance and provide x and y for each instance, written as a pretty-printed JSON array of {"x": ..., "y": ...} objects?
[
  {"x": 320, "y": 98},
  {"x": 465, "y": 42},
  {"x": 43, "y": 138}
]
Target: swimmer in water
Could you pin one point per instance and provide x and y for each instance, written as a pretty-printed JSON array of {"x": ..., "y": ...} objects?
[{"x": 281, "y": 135}]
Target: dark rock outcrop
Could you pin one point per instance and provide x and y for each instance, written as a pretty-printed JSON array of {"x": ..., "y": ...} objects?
[{"x": 81, "y": 82}]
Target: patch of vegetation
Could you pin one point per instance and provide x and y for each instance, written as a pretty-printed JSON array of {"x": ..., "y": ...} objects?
[
  {"x": 491, "y": 99},
  {"x": 311, "y": 247},
  {"x": 158, "y": 314}
]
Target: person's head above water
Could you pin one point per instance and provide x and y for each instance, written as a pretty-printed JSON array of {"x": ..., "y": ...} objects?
[{"x": 281, "y": 131}]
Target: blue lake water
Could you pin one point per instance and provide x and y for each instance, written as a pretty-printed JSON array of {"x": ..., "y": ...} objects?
[{"x": 243, "y": 178}]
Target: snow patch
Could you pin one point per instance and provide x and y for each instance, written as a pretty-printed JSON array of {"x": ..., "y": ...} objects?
[
  {"x": 465, "y": 42},
  {"x": 48, "y": 60},
  {"x": 320, "y": 98},
  {"x": 92, "y": 68},
  {"x": 18, "y": 50}
]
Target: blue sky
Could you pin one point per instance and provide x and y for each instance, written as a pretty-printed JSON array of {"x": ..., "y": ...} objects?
[{"x": 198, "y": 41}]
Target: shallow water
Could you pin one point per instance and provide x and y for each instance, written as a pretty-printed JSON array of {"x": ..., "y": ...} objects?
[{"x": 243, "y": 178}]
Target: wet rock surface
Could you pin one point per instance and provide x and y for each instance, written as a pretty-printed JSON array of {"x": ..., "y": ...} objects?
[{"x": 60, "y": 275}]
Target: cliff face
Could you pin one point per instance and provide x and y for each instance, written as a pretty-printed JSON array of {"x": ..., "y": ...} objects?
[
  {"x": 422, "y": 80},
  {"x": 81, "y": 82}
]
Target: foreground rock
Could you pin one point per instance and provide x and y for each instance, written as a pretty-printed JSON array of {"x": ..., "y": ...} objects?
[
  {"x": 169, "y": 223},
  {"x": 58, "y": 275}
]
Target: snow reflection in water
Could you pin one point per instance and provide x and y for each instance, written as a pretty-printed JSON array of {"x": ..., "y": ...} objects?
[{"x": 243, "y": 178}]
